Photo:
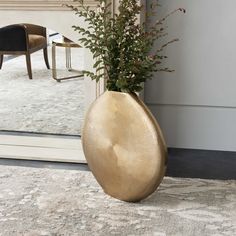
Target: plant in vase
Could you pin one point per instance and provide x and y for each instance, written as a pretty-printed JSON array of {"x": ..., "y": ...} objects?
[{"x": 122, "y": 141}]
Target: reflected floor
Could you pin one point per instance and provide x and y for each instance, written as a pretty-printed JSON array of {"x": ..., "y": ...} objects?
[{"x": 42, "y": 104}]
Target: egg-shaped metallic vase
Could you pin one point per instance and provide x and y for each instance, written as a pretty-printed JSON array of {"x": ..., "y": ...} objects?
[{"x": 124, "y": 146}]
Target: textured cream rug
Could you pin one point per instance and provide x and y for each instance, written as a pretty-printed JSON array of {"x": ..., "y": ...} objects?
[
  {"x": 41, "y": 104},
  {"x": 69, "y": 202}
]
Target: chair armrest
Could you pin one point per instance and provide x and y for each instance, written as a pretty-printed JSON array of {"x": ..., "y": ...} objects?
[
  {"x": 13, "y": 38},
  {"x": 35, "y": 29}
]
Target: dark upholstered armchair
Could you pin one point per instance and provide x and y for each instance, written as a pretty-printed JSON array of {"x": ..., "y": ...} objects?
[{"x": 23, "y": 39}]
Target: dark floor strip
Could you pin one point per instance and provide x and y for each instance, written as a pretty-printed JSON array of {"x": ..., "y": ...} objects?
[
  {"x": 205, "y": 164},
  {"x": 38, "y": 134},
  {"x": 43, "y": 164}
]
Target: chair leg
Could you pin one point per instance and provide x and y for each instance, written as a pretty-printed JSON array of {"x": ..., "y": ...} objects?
[
  {"x": 28, "y": 62},
  {"x": 1, "y": 61},
  {"x": 45, "y": 53}
]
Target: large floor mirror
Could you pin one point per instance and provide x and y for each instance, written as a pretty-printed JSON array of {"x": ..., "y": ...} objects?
[
  {"x": 41, "y": 115},
  {"x": 42, "y": 118}
]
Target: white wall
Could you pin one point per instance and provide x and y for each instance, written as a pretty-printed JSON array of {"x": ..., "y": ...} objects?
[{"x": 196, "y": 105}]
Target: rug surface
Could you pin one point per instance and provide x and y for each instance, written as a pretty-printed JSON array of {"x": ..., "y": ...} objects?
[
  {"x": 42, "y": 104},
  {"x": 69, "y": 202}
]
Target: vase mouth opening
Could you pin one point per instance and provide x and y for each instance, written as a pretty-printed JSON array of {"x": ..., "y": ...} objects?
[{"x": 118, "y": 92}]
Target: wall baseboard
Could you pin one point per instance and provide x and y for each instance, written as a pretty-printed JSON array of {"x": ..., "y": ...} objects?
[{"x": 204, "y": 164}]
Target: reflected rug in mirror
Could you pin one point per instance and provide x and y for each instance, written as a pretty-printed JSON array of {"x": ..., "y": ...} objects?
[{"x": 42, "y": 104}]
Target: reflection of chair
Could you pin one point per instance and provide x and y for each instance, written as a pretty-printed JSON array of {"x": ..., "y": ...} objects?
[{"x": 23, "y": 39}]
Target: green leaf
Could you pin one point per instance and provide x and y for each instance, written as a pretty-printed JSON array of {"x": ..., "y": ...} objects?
[{"x": 97, "y": 63}]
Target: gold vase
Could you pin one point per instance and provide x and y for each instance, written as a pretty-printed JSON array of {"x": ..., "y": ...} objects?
[{"x": 124, "y": 146}]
